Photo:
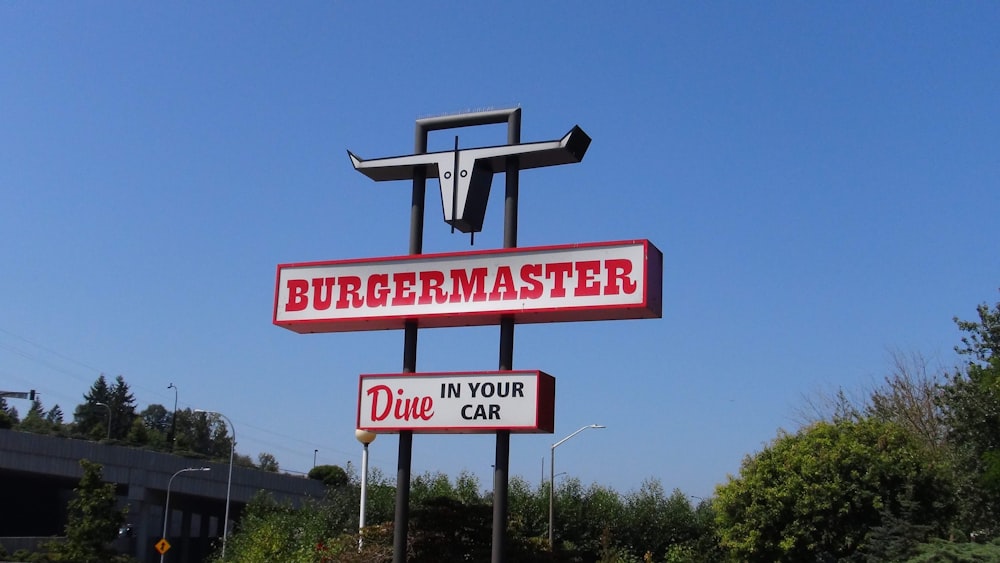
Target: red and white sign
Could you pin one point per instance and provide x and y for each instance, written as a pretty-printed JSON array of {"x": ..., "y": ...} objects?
[
  {"x": 476, "y": 402},
  {"x": 581, "y": 282}
]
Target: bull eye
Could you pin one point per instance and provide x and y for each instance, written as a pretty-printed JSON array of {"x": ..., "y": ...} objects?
[
  {"x": 447, "y": 175},
  {"x": 464, "y": 173}
]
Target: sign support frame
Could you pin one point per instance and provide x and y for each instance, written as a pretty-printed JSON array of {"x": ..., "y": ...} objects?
[
  {"x": 502, "y": 462},
  {"x": 404, "y": 461},
  {"x": 501, "y": 466}
]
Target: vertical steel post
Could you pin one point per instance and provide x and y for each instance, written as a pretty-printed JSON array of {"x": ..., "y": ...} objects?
[
  {"x": 500, "y": 477},
  {"x": 405, "y": 458},
  {"x": 501, "y": 466}
]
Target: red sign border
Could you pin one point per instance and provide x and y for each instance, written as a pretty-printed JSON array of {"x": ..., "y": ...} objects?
[
  {"x": 650, "y": 308},
  {"x": 544, "y": 407}
]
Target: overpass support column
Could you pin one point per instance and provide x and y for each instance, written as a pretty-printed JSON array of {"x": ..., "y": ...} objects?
[
  {"x": 142, "y": 516},
  {"x": 185, "y": 537},
  {"x": 203, "y": 525}
]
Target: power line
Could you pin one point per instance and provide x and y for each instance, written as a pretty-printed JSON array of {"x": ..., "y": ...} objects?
[{"x": 48, "y": 392}]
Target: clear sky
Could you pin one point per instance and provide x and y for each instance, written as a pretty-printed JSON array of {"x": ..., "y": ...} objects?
[{"x": 823, "y": 179}]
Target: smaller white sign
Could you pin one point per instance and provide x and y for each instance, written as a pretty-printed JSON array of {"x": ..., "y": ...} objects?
[{"x": 476, "y": 402}]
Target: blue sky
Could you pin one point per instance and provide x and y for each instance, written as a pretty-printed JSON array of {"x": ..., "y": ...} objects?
[{"x": 822, "y": 179}]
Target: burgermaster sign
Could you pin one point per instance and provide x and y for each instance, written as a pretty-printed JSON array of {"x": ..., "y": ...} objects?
[{"x": 580, "y": 282}]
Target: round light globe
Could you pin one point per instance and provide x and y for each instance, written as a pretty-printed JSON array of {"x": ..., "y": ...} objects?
[{"x": 364, "y": 436}]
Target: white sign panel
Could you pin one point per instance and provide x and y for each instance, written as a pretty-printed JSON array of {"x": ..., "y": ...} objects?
[
  {"x": 597, "y": 281},
  {"x": 519, "y": 401}
]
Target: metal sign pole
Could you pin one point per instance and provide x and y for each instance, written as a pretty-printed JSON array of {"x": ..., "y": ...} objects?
[
  {"x": 405, "y": 458},
  {"x": 501, "y": 466},
  {"x": 500, "y": 476}
]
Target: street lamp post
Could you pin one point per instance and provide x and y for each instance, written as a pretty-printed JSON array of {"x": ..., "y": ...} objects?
[
  {"x": 166, "y": 505},
  {"x": 365, "y": 437},
  {"x": 229, "y": 482},
  {"x": 105, "y": 405},
  {"x": 173, "y": 419},
  {"x": 315, "y": 452},
  {"x": 552, "y": 481}
]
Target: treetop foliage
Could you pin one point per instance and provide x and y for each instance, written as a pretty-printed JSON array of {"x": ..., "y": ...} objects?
[
  {"x": 982, "y": 337},
  {"x": 451, "y": 520},
  {"x": 94, "y": 520},
  {"x": 823, "y": 489},
  {"x": 198, "y": 435}
]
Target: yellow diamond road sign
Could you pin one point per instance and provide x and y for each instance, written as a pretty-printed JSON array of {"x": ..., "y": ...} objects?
[{"x": 162, "y": 546}]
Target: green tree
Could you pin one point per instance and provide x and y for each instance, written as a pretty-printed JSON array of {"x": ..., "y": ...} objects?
[
  {"x": 705, "y": 547},
  {"x": 138, "y": 434},
  {"x": 381, "y": 496},
  {"x": 529, "y": 509},
  {"x": 970, "y": 404},
  {"x": 205, "y": 435},
  {"x": 241, "y": 460},
  {"x": 145, "y": 432},
  {"x": 267, "y": 462},
  {"x": 940, "y": 551},
  {"x": 427, "y": 486},
  {"x": 816, "y": 495},
  {"x": 269, "y": 531},
  {"x": 93, "y": 521},
  {"x": 6, "y": 421},
  {"x": 35, "y": 421},
  {"x": 157, "y": 418},
  {"x": 122, "y": 409},
  {"x": 89, "y": 418},
  {"x": 55, "y": 418},
  {"x": 331, "y": 475},
  {"x": 909, "y": 396},
  {"x": 8, "y": 415},
  {"x": 655, "y": 521},
  {"x": 446, "y": 529},
  {"x": 467, "y": 488}
]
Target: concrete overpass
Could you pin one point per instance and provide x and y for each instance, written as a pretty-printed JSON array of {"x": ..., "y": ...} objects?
[{"x": 38, "y": 474}]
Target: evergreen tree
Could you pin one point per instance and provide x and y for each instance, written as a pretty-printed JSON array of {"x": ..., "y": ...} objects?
[
  {"x": 93, "y": 520},
  {"x": 91, "y": 419},
  {"x": 55, "y": 416},
  {"x": 8, "y": 419},
  {"x": 122, "y": 403},
  {"x": 104, "y": 405},
  {"x": 35, "y": 421}
]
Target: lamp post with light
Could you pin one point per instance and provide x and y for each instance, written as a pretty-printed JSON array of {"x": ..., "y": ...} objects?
[
  {"x": 173, "y": 419},
  {"x": 365, "y": 437},
  {"x": 166, "y": 505},
  {"x": 107, "y": 406},
  {"x": 229, "y": 482},
  {"x": 552, "y": 480}
]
